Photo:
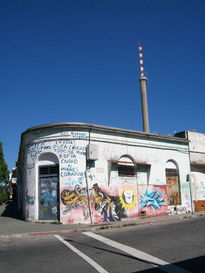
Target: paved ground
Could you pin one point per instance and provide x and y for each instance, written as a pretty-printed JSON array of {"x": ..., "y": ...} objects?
[
  {"x": 12, "y": 225},
  {"x": 177, "y": 246}
]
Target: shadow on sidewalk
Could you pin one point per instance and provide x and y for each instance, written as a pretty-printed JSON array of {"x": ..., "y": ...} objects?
[{"x": 11, "y": 210}]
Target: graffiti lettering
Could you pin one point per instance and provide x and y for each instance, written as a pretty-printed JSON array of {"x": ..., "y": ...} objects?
[
  {"x": 68, "y": 173},
  {"x": 69, "y": 161},
  {"x": 152, "y": 200},
  {"x": 37, "y": 148},
  {"x": 81, "y": 135},
  {"x": 61, "y": 146},
  {"x": 76, "y": 135},
  {"x": 64, "y": 142},
  {"x": 74, "y": 182},
  {"x": 69, "y": 168}
]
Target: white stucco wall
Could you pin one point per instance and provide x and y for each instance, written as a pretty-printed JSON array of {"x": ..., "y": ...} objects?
[
  {"x": 197, "y": 146},
  {"x": 197, "y": 158},
  {"x": 69, "y": 147}
]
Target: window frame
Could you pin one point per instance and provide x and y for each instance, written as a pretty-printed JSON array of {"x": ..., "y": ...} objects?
[{"x": 126, "y": 167}]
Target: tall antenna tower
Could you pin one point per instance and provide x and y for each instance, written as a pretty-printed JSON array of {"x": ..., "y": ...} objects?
[{"x": 143, "y": 89}]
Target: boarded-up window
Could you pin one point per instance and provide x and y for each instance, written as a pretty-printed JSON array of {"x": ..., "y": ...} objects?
[{"x": 172, "y": 182}]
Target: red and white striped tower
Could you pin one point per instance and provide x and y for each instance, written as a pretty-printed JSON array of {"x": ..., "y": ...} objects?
[
  {"x": 141, "y": 60},
  {"x": 143, "y": 88}
]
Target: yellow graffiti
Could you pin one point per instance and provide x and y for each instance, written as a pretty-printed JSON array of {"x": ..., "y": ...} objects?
[
  {"x": 70, "y": 198},
  {"x": 74, "y": 199},
  {"x": 127, "y": 197}
]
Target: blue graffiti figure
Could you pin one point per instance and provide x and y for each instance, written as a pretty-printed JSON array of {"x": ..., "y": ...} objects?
[{"x": 152, "y": 200}]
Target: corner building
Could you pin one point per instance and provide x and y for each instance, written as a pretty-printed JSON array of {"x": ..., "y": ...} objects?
[{"x": 85, "y": 173}]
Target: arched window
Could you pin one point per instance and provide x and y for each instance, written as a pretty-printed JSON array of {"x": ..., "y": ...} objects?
[
  {"x": 48, "y": 159},
  {"x": 173, "y": 184},
  {"x": 126, "y": 166}
]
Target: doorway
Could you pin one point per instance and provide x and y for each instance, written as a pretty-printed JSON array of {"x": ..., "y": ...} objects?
[{"x": 49, "y": 192}]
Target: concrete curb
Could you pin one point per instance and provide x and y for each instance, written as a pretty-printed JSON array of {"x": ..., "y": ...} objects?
[{"x": 115, "y": 225}]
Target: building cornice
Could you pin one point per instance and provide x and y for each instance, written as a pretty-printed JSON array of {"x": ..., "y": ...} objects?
[{"x": 104, "y": 129}]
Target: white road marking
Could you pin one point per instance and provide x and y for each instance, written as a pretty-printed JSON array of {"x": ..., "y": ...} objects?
[
  {"x": 82, "y": 255},
  {"x": 162, "y": 265}
]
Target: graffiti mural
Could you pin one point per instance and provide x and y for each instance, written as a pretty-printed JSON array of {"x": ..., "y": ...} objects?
[
  {"x": 153, "y": 200},
  {"x": 101, "y": 203},
  {"x": 109, "y": 207},
  {"x": 128, "y": 197},
  {"x": 74, "y": 199}
]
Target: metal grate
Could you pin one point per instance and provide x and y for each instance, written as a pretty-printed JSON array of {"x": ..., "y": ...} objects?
[
  {"x": 126, "y": 170},
  {"x": 49, "y": 170}
]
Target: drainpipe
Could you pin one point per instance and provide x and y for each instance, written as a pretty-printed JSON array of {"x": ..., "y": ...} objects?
[
  {"x": 191, "y": 199},
  {"x": 87, "y": 168}
]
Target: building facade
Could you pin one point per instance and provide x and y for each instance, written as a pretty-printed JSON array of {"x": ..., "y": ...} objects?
[
  {"x": 84, "y": 173},
  {"x": 197, "y": 162}
]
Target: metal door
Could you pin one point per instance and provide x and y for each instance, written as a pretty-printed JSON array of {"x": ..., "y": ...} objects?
[{"x": 48, "y": 193}]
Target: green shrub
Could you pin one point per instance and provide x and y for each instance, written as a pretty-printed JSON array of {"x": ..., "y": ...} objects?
[{"x": 3, "y": 196}]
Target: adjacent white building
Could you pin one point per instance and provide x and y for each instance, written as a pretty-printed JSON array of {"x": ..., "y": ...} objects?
[
  {"x": 197, "y": 161},
  {"x": 85, "y": 173}
]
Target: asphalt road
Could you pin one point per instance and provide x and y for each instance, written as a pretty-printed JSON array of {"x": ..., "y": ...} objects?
[{"x": 161, "y": 247}]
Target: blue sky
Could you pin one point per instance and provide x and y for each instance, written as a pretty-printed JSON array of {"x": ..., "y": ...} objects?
[{"x": 77, "y": 61}]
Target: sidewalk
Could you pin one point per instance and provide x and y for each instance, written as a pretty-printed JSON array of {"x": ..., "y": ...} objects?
[{"x": 12, "y": 226}]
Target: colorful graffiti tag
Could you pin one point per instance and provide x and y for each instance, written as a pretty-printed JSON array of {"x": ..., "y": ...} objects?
[
  {"x": 128, "y": 197},
  {"x": 74, "y": 199},
  {"x": 109, "y": 207},
  {"x": 152, "y": 200}
]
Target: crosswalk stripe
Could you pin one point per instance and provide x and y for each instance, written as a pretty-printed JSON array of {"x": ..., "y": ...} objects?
[
  {"x": 82, "y": 255},
  {"x": 155, "y": 262}
]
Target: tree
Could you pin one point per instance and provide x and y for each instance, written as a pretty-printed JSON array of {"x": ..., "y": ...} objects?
[{"x": 3, "y": 166}]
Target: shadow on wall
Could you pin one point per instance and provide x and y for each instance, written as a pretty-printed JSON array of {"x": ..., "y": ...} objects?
[{"x": 10, "y": 210}]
